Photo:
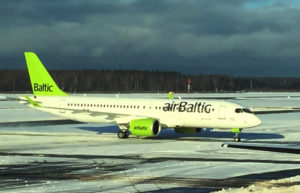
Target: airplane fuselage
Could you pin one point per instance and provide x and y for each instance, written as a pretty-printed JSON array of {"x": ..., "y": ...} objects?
[{"x": 170, "y": 113}]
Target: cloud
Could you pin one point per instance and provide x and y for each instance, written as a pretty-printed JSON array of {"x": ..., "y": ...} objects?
[{"x": 233, "y": 37}]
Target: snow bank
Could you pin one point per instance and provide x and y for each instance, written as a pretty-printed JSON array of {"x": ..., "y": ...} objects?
[{"x": 273, "y": 186}]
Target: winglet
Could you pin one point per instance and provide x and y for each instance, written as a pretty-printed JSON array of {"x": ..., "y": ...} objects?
[
  {"x": 41, "y": 81},
  {"x": 35, "y": 104}
]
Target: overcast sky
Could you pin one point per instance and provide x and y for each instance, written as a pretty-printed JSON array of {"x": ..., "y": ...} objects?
[{"x": 234, "y": 37}]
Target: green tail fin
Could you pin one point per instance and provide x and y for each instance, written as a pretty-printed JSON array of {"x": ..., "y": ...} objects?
[{"x": 41, "y": 81}]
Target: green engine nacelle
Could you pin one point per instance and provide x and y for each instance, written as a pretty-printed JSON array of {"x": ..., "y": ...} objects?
[
  {"x": 186, "y": 130},
  {"x": 144, "y": 127}
]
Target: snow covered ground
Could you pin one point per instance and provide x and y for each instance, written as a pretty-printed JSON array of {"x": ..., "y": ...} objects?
[{"x": 90, "y": 158}]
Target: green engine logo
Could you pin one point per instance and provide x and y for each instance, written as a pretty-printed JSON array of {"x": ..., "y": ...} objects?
[{"x": 140, "y": 128}]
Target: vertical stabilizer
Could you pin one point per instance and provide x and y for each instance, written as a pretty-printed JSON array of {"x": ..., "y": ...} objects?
[{"x": 41, "y": 81}]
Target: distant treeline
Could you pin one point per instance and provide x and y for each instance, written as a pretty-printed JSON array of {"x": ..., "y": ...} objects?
[{"x": 145, "y": 81}]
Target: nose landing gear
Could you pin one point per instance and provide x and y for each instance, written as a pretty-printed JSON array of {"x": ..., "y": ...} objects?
[{"x": 236, "y": 137}]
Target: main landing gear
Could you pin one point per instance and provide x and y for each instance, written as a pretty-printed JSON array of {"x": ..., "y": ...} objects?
[
  {"x": 123, "y": 133},
  {"x": 236, "y": 137}
]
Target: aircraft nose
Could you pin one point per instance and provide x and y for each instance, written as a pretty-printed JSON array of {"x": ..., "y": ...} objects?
[{"x": 256, "y": 121}]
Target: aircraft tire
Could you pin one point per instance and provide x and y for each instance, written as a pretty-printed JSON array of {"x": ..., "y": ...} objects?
[
  {"x": 123, "y": 134},
  {"x": 126, "y": 134},
  {"x": 120, "y": 135},
  {"x": 236, "y": 139}
]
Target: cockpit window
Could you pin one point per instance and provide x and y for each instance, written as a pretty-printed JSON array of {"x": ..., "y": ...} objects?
[
  {"x": 239, "y": 110},
  {"x": 247, "y": 110}
]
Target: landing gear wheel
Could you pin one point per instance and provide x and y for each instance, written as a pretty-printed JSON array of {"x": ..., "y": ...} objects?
[
  {"x": 126, "y": 134},
  {"x": 120, "y": 135},
  {"x": 236, "y": 139},
  {"x": 123, "y": 134}
]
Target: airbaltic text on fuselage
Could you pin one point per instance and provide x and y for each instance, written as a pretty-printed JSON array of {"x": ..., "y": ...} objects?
[
  {"x": 43, "y": 87},
  {"x": 188, "y": 107}
]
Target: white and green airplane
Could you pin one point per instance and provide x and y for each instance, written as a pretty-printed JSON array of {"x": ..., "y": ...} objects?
[{"x": 142, "y": 117}]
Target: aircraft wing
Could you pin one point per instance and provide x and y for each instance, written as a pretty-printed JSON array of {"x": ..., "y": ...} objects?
[{"x": 117, "y": 118}]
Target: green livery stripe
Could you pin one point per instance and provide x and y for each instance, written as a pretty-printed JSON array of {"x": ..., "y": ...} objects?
[{"x": 41, "y": 81}]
